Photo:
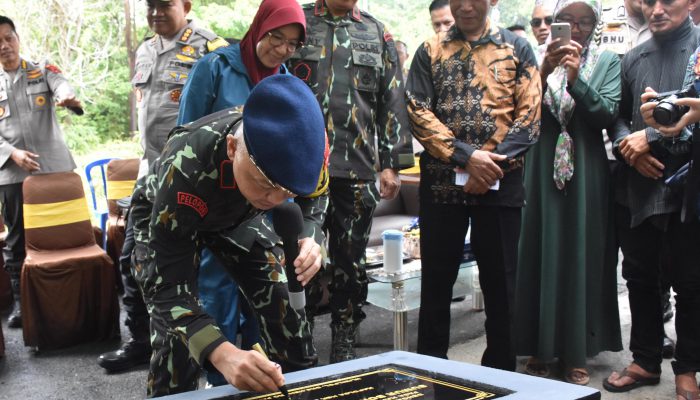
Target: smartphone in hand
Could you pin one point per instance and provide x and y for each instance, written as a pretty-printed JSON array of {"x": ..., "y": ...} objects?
[{"x": 561, "y": 30}]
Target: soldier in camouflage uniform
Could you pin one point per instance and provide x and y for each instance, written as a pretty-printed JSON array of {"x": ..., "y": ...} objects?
[
  {"x": 163, "y": 64},
  {"x": 351, "y": 65},
  {"x": 213, "y": 176}
]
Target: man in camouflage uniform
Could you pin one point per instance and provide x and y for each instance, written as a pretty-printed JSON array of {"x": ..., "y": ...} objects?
[
  {"x": 213, "y": 176},
  {"x": 163, "y": 63},
  {"x": 351, "y": 65}
]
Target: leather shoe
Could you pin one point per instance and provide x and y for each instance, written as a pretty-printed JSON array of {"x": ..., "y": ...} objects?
[
  {"x": 15, "y": 319},
  {"x": 669, "y": 347},
  {"x": 129, "y": 355}
]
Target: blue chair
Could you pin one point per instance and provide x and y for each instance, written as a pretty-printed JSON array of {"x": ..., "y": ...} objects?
[{"x": 99, "y": 211}]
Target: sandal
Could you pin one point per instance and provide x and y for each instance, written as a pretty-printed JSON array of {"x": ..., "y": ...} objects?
[
  {"x": 535, "y": 367},
  {"x": 577, "y": 376},
  {"x": 687, "y": 394},
  {"x": 638, "y": 381}
]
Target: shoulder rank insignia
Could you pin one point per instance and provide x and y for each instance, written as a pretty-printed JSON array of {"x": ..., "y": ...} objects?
[
  {"x": 216, "y": 43},
  {"x": 53, "y": 68},
  {"x": 186, "y": 35}
]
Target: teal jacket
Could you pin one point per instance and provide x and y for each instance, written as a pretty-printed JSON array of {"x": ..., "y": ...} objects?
[{"x": 217, "y": 81}]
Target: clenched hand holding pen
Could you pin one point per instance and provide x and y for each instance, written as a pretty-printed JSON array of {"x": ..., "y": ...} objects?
[{"x": 247, "y": 370}]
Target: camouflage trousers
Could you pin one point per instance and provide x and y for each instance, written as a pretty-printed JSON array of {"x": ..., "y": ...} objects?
[
  {"x": 286, "y": 334},
  {"x": 348, "y": 222}
]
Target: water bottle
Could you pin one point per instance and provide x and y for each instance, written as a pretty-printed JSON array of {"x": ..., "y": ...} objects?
[{"x": 393, "y": 250}]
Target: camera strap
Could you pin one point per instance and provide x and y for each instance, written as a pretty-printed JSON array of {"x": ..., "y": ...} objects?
[{"x": 692, "y": 187}]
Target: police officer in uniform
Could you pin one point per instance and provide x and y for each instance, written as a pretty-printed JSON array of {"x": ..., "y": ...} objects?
[
  {"x": 31, "y": 141},
  {"x": 163, "y": 64},
  {"x": 624, "y": 27},
  {"x": 213, "y": 175},
  {"x": 351, "y": 65}
]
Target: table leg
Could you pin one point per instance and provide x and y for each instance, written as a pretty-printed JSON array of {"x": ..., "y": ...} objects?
[{"x": 400, "y": 328}]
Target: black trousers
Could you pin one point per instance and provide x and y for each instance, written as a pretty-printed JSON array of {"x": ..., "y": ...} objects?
[
  {"x": 137, "y": 319},
  {"x": 494, "y": 239},
  {"x": 14, "y": 251},
  {"x": 643, "y": 248}
]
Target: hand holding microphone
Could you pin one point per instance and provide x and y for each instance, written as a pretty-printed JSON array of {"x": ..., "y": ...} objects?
[{"x": 303, "y": 257}]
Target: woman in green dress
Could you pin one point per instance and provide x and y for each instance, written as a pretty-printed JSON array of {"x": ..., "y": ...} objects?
[{"x": 566, "y": 290}]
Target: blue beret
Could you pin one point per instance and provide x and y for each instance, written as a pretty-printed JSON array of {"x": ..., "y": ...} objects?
[{"x": 285, "y": 133}]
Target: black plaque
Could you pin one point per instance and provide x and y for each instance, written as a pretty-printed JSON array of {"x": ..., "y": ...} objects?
[{"x": 384, "y": 382}]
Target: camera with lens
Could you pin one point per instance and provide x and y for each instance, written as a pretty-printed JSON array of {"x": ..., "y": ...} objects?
[{"x": 667, "y": 112}]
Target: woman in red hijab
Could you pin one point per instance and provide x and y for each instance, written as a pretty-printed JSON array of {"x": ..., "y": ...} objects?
[{"x": 225, "y": 77}]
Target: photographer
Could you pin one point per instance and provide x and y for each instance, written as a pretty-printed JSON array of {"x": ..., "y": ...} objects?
[
  {"x": 648, "y": 212},
  {"x": 690, "y": 117}
]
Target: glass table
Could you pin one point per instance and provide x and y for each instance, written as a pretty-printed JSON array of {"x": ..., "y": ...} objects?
[{"x": 399, "y": 292}]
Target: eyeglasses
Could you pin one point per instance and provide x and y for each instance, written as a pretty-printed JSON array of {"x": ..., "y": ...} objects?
[
  {"x": 537, "y": 22},
  {"x": 585, "y": 24},
  {"x": 277, "y": 40},
  {"x": 269, "y": 181}
]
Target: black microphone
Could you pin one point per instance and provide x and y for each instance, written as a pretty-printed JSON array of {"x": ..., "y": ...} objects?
[{"x": 288, "y": 223}]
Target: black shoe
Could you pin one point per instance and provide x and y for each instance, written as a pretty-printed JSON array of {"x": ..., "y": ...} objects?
[
  {"x": 129, "y": 355},
  {"x": 669, "y": 347},
  {"x": 15, "y": 319}
]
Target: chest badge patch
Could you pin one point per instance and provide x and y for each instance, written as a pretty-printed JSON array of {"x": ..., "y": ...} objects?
[
  {"x": 40, "y": 101},
  {"x": 178, "y": 76},
  {"x": 34, "y": 74},
  {"x": 2, "y": 111},
  {"x": 175, "y": 95},
  {"x": 187, "y": 51},
  {"x": 190, "y": 200},
  {"x": 184, "y": 58}
]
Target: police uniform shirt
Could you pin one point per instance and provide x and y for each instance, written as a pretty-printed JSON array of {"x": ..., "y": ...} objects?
[
  {"x": 621, "y": 32},
  {"x": 161, "y": 71},
  {"x": 28, "y": 119},
  {"x": 351, "y": 65}
]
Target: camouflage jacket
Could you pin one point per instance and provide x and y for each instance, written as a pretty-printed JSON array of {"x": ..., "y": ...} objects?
[
  {"x": 352, "y": 67},
  {"x": 190, "y": 196}
]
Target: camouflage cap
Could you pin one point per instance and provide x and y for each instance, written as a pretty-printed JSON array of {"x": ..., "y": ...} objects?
[{"x": 285, "y": 133}]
